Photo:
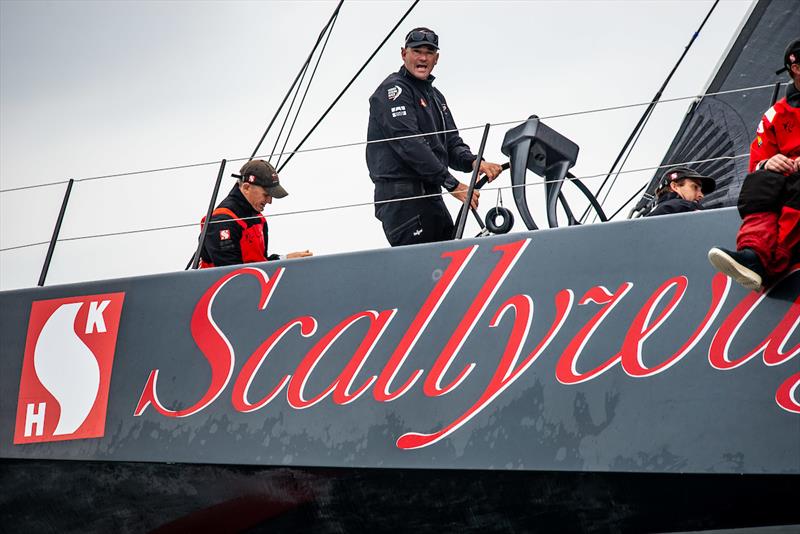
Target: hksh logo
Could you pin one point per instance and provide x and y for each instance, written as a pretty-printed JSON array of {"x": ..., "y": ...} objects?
[{"x": 66, "y": 370}]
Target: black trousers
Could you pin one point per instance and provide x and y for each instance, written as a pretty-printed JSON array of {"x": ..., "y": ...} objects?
[
  {"x": 409, "y": 222},
  {"x": 767, "y": 191}
]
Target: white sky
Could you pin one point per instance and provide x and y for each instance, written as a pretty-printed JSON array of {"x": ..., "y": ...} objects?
[{"x": 95, "y": 88}]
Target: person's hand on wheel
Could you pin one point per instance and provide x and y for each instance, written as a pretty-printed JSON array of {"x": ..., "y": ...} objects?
[
  {"x": 491, "y": 170},
  {"x": 460, "y": 192}
]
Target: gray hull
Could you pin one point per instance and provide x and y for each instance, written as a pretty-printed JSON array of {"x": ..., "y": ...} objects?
[{"x": 601, "y": 356}]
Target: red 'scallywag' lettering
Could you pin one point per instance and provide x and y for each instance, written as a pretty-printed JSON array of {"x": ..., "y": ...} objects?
[
  {"x": 507, "y": 371},
  {"x": 642, "y": 327},
  {"x": 459, "y": 258},
  {"x": 432, "y": 387},
  {"x": 341, "y": 386},
  {"x": 346, "y": 388},
  {"x": 566, "y": 368},
  {"x": 772, "y": 346},
  {"x": 212, "y": 343},
  {"x": 241, "y": 387}
]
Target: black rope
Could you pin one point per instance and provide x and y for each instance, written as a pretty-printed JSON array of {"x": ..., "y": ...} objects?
[
  {"x": 302, "y": 100},
  {"x": 302, "y": 69},
  {"x": 636, "y": 194},
  {"x": 622, "y": 165},
  {"x": 357, "y": 74},
  {"x": 646, "y": 115},
  {"x": 289, "y": 111}
]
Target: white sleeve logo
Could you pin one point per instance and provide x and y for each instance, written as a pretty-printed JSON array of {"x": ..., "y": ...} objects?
[
  {"x": 769, "y": 115},
  {"x": 394, "y": 92}
]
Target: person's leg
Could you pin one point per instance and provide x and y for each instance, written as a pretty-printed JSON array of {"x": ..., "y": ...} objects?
[
  {"x": 759, "y": 206},
  {"x": 759, "y": 233},
  {"x": 410, "y": 222},
  {"x": 788, "y": 237},
  {"x": 441, "y": 222},
  {"x": 401, "y": 222},
  {"x": 760, "y": 202}
]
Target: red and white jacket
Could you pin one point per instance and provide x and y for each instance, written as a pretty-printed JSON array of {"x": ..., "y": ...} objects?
[{"x": 778, "y": 132}]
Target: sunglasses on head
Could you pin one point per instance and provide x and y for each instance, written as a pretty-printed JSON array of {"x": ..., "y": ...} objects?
[{"x": 423, "y": 36}]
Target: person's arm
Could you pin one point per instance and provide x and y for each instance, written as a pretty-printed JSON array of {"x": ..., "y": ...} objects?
[
  {"x": 299, "y": 254},
  {"x": 290, "y": 256},
  {"x": 222, "y": 241},
  {"x": 398, "y": 118},
  {"x": 764, "y": 152},
  {"x": 460, "y": 155}
]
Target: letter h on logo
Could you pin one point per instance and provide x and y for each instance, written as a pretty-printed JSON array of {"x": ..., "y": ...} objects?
[{"x": 66, "y": 369}]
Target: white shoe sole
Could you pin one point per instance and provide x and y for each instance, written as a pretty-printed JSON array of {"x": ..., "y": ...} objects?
[{"x": 738, "y": 272}]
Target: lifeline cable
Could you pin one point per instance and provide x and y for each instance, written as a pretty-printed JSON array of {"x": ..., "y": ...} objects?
[
  {"x": 388, "y": 139},
  {"x": 363, "y": 204},
  {"x": 646, "y": 115}
]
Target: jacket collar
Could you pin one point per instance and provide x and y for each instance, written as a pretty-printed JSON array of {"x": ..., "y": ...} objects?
[
  {"x": 244, "y": 209},
  {"x": 792, "y": 96},
  {"x": 407, "y": 75},
  {"x": 672, "y": 195}
]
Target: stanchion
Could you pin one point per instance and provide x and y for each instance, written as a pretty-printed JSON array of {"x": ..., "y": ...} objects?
[
  {"x": 462, "y": 219},
  {"x": 775, "y": 92},
  {"x": 211, "y": 204},
  {"x": 56, "y": 230}
]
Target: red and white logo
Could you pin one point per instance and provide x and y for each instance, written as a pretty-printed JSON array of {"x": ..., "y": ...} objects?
[
  {"x": 66, "y": 371},
  {"x": 224, "y": 234}
]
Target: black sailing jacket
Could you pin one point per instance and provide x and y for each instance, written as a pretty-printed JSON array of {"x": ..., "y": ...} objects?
[
  {"x": 403, "y": 105},
  {"x": 672, "y": 203}
]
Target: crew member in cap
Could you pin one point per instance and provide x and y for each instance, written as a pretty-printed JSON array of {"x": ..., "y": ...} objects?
[
  {"x": 769, "y": 201},
  {"x": 680, "y": 190},
  {"x": 238, "y": 232},
  {"x": 406, "y": 104}
]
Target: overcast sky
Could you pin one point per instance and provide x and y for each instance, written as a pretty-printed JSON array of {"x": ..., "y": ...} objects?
[{"x": 96, "y": 88}]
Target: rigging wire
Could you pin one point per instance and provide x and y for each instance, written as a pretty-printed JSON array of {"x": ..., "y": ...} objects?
[
  {"x": 631, "y": 142},
  {"x": 621, "y": 166},
  {"x": 631, "y": 199},
  {"x": 302, "y": 70},
  {"x": 302, "y": 100},
  {"x": 289, "y": 110},
  {"x": 373, "y": 203},
  {"x": 346, "y": 87}
]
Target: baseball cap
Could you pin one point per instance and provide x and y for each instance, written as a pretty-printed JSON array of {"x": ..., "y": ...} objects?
[
  {"x": 259, "y": 172},
  {"x": 790, "y": 55},
  {"x": 422, "y": 37},
  {"x": 707, "y": 184}
]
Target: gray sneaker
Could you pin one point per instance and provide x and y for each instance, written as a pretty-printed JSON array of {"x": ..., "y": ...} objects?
[{"x": 743, "y": 266}]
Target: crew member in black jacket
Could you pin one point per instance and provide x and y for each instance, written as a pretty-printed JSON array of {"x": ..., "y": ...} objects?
[
  {"x": 238, "y": 232},
  {"x": 680, "y": 190},
  {"x": 406, "y": 104}
]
